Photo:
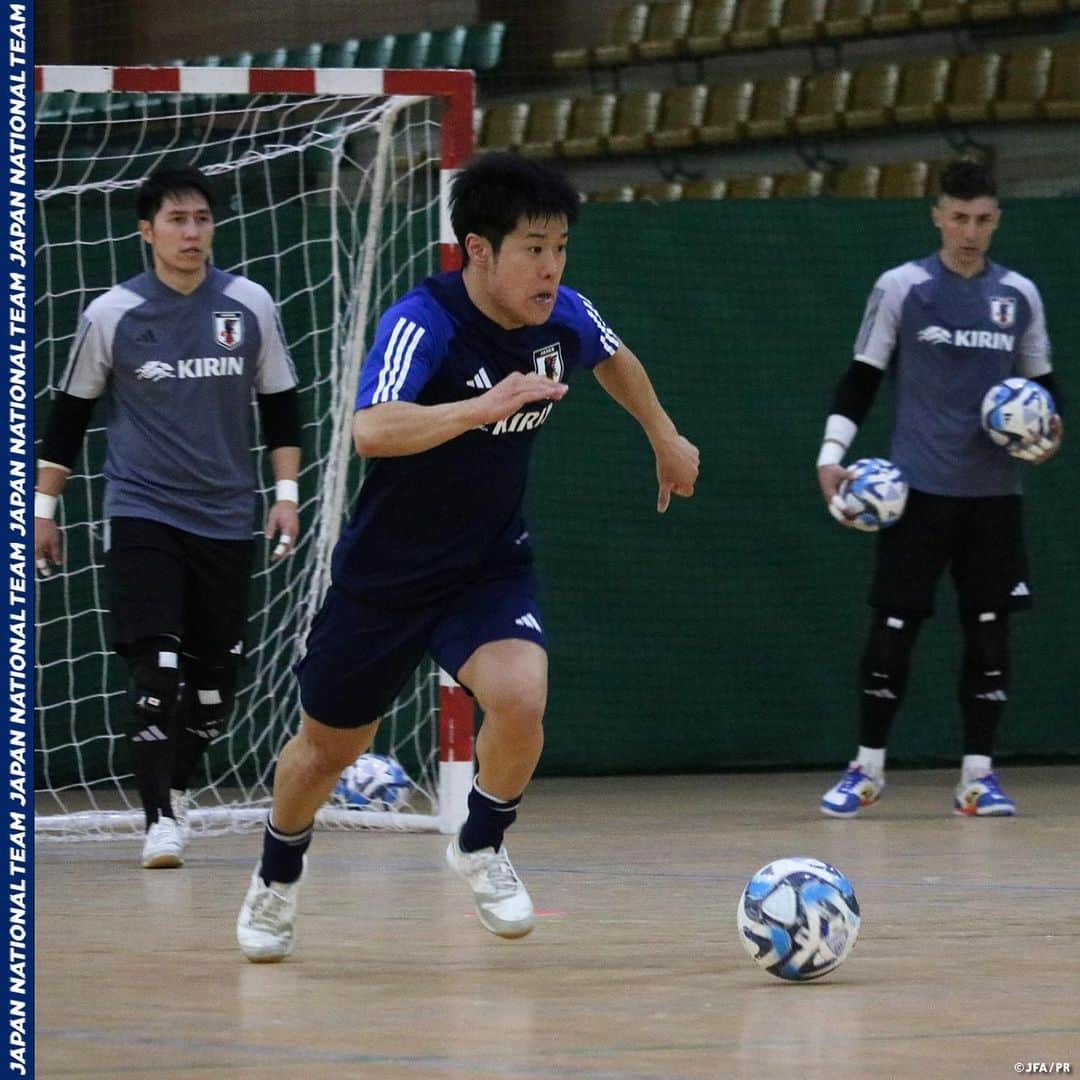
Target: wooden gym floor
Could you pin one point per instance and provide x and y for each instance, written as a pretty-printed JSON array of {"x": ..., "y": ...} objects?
[{"x": 968, "y": 962}]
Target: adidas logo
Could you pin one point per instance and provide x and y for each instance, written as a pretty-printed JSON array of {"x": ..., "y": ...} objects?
[
  {"x": 479, "y": 381},
  {"x": 147, "y": 337},
  {"x": 529, "y": 621},
  {"x": 1020, "y": 589}
]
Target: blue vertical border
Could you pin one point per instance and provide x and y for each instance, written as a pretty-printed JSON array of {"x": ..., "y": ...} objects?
[{"x": 18, "y": 591}]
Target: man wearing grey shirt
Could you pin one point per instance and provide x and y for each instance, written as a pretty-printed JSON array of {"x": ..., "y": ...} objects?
[
  {"x": 177, "y": 352},
  {"x": 948, "y": 326}
]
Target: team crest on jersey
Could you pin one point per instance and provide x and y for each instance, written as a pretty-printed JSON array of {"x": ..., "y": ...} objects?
[
  {"x": 229, "y": 329},
  {"x": 1003, "y": 310},
  {"x": 548, "y": 361}
]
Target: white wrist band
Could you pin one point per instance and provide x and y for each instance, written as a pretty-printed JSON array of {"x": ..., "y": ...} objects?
[
  {"x": 287, "y": 491},
  {"x": 831, "y": 453},
  {"x": 45, "y": 505}
]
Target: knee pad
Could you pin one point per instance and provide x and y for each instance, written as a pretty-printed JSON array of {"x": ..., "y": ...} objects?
[
  {"x": 210, "y": 693},
  {"x": 153, "y": 679},
  {"x": 883, "y": 671},
  {"x": 984, "y": 673}
]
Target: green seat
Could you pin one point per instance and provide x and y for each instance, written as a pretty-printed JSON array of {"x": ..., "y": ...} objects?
[
  {"x": 269, "y": 58},
  {"x": 212, "y": 60},
  {"x": 375, "y": 52},
  {"x": 447, "y": 47},
  {"x": 52, "y": 108},
  {"x": 339, "y": 54},
  {"x": 483, "y": 46},
  {"x": 240, "y": 59},
  {"x": 304, "y": 56},
  {"x": 411, "y": 50}
]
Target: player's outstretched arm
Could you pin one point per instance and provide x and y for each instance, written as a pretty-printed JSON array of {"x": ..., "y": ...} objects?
[
  {"x": 396, "y": 428},
  {"x": 624, "y": 379},
  {"x": 283, "y": 517}
]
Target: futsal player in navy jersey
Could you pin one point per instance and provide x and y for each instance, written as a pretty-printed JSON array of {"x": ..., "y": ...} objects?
[
  {"x": 177, "y": 352},
  {"x": 949, "y": 326},
  {"x": 464, "y": 372}
]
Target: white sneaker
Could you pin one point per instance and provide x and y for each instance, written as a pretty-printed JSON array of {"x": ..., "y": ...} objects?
[
  {"x": 265, "y": 926},
  {"x": 502, "y": 902},
  {"x": 181, "y": 804},
  {"x": 163, "y": 847}
]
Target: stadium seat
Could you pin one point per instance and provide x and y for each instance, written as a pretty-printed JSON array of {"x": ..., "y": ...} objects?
[
  {"x": 625, "y": 193},
  {"x": 989, "y": 10},
  {"x": 269, "y": 58},
  {"x": 903, "y": 180},
  {"x": 726, "y": 111},
  {"x": 802, "y": 22},
  {"x": 776, "y": 101},
  {"x": 682, "y": 111},
  {"x": 238, "y": 59},
  {"x": 847, "y": 18},
  {"x": 710, "y": 25},
  {"x": 483, "y": 46},
  {"x": 665, "y": 30},
  {"x": 411, "y": 50},
  {"x": 659, "y": 191},
  {"x": 893, "y": 16},
  {"x": 210, "y": 60},
  {"x": 856, "y": 182},
  {"x": 339, "y": 54},
  {"x": 590, "y": 124},
  {"x": 375, "y": 52},
  {"x": 824, "y": 96},
  {"x": 546, "y": 128},
  {"x": 872, "y": 97},
  {"x": 628, "y": 30},
  {"x": 756, "y": 23},
  {"x": 934, "y": 14},
  {"x": 1027, "y": 74},
  {"x": 921, "y": 97},
  {"x": 447, "y": 47},
  {"x": 636, "y": 113},
  {"x": 1062, "y": 100},
  {"x": 503, "y": 126},
  {"x": 1039, "y": 7},
  {"x": 800, "y": 185},
  {"x": 974, "y": 87},
  {"x": 750, "y": 187},
  {"x": 714, "y": 188}
]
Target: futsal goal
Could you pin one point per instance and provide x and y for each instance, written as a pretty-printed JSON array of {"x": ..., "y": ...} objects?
[{"x": 332, "y": 186}]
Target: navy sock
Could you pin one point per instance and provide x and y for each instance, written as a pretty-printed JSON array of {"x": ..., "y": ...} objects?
[
  {"x": 488, "y": 819},
  {"x": 283, "y": 853}
]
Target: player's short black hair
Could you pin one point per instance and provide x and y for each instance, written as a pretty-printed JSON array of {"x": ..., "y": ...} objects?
[
  {"x": 966, "y": 179},
  {"x": 165, "y": 183},
  {"x": 493, "y": 193}
]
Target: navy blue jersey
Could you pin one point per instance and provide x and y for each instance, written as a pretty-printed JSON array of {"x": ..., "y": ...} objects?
[
  {"x": 949, "y": 339},
  {"x": 426, "y": 523}
]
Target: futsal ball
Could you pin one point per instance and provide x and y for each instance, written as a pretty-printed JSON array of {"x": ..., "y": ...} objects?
[
  {"x": 798, "y": 918},
  {"x": 1017, "y": 411},
  {"x": 372, "y": 782},
  {"x": 875, "y": 495}
]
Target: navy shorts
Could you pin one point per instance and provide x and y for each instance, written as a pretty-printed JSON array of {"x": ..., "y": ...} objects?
[{"x": 359, "y": 655}]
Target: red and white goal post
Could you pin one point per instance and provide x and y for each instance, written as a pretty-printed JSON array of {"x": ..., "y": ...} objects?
[{"x": 333, "y": 185}]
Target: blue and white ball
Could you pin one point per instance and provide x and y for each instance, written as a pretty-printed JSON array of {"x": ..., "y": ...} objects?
[
  {"x": 372, "y": 782},
  {"x": 798, "y": 918},
  {"x": 1017, "y": 411},
  {"x": 875, "y": 495}
]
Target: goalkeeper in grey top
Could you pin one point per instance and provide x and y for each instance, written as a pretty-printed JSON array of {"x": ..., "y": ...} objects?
[
  {"x": 948, "y": 327},
  {"x": 177, "y": 352}
]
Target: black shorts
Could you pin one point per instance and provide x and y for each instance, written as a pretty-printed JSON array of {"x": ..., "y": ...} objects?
[
  {"x": 163, "y": 580},
  {"x": 981, "y": 541}
]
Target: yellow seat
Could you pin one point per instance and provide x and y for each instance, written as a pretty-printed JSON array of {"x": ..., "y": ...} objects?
[
  {"x": 974, "y": 87},
  {"x": 856, "y": 182},
  {"x": 665, "y": 30},
  {"x": 847, "y": 18},
  {"x": 546, "y": 127},
  {"x": 800, "y": 185},
  {"x": 590, "y": 124},
  {"x": 628, "y": 30},
  {"x": 923, "y": 84},
  {"x": 903, "y": 180},
  {"x": 710, "y": 25},
  {"x": 893, "y": 16},
  {"x": 1039, "y": 7},
  {"x": 1027, "y": 75},
  {"x": 776, "y": 100},
  {"x": 802, "y": 21},
  {"x": 756, "y": 23},
  {"x": 823, "y": 99},
  {"x": 750, "y": 187},
  {"x": 636, "y": 112},
  {"x": 714, "y": 188},
  {"x": 726, "y": 111},
  {"x": 659, "y": 191},
  {"x": 503, "y": 126},
  {"x": 872, "y": 97},
  {"x": 989, "y": 10},
  {"x": 934, "y": 14},
  {"x": 682, "y": 111},
  {"x": 1062, "y": 100},
  {"x": 624, "y": 193}
]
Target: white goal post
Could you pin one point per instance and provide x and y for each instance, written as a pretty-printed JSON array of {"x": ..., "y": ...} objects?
[{"x": 334, "y": 186}]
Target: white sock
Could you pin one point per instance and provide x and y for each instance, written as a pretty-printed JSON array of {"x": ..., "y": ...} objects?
[
  {"x": 975, "y": 767},
  {"x": 871, "y": 761}
]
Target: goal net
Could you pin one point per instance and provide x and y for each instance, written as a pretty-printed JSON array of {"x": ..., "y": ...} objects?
[{"x": 332, "y": 194}]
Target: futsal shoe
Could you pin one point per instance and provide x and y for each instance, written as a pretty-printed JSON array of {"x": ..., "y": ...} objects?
[
  {"x": 855, "y": 790},
  {"x": 163, "y": 848},
  {"x": 265, "y": 927},
  {"x": 982, "y": 798},
  {"x": 502, "y": 902}
]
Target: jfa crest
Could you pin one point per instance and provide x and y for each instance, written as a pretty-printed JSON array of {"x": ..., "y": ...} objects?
[
  {"x": 548, "y": 361},
  {"x": 229, "y": 328},
  {"x": 1003, "y": 310}
]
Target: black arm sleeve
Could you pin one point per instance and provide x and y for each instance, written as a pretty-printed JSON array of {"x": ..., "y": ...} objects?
[
  {"x": 280, "y": 416},
  {"x": 65, "y": 429},
  {"x": 1049, "y": 384},
  {"x": 856, "y": 390}
]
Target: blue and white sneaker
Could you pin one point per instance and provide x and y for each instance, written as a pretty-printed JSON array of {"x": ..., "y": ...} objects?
[
  {"x": 855, "y": 790},
  {"x": 982, "y": 798}
]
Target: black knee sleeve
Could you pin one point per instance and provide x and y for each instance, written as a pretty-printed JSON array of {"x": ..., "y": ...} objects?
[
  {"x": 886, "y": 661},
  {"x": 984, "y": 673},
  {"x": 153, "y": 681},
  {"x": 210, "y": 691}
]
